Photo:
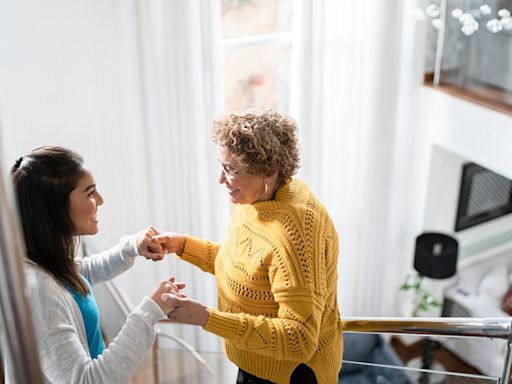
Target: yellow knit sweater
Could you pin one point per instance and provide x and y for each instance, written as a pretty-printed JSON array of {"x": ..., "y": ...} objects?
[{"x": 277, "y": 282}]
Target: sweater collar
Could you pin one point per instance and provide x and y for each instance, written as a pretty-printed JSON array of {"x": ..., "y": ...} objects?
[{"x": 284, "y": 194}]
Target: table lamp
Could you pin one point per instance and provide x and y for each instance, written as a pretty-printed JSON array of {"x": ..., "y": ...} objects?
[{"x": 436, "y": 255}]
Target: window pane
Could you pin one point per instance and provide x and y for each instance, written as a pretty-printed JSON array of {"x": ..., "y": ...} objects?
[
  {"x": 242, "y": 18},
  {"x": 257, "y": 75},
  {"x": 475, "y": 51},
  {"x": 481, "y": 62}
]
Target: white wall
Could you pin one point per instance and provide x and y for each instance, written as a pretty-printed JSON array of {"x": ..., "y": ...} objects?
[
  {"x": 65, "y": 76},
  {"x": 68, "y": 77},
  {"x": 460, "y": 132},
  {"x": 468, "y": 130}
]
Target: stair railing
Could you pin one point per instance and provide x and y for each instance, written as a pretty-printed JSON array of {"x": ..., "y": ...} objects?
[
  {"x": 498, "y": 328},
  {"x": 17, "y": 333}
]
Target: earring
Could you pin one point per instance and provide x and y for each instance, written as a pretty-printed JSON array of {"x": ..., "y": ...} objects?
[{"x": 266, "y": 189}]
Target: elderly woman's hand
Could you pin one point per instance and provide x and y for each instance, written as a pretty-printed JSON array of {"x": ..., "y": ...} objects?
[
  {"x": 186, "y": 310},
  {"x": 148, "y": 247},
  {"x": 167, "y": 286},
  {"x": 170, "y": 242}
]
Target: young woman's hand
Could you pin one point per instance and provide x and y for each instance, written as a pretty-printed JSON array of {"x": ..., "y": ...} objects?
[
  {"x": 167, "y": 286},
  {"x": 171, "y": 242},
  {"x": 186, "y": 311},
  {"x": 147, "y": 247}
]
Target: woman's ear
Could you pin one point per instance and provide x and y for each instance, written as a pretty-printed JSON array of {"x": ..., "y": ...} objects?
[{"x": 271, "y": 179}]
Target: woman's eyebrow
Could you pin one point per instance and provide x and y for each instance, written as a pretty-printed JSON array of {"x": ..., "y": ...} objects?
[{"x": 89, "y": 187}]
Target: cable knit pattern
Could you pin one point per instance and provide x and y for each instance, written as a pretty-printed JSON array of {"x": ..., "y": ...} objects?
[{"x": 277, "y": 283}]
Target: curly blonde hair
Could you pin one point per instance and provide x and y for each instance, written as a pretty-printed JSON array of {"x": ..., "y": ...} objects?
[{"x": 260, "y": 140}]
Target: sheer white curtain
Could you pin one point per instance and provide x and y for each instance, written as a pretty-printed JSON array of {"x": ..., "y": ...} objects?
[
  {"x": 361, "y": 154},
  {"x": 131, "y": 85},
  {"x": 177, "y": 61}
]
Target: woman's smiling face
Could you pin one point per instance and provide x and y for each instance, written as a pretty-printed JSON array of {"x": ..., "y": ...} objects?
[
  {"x": 83, "y": 206},
  {"x": 243, "y": 187}
]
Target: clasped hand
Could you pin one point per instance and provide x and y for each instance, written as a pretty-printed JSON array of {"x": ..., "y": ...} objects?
[
  {"x": 178, "y": 308},
  {"x": 185, "y": 310},
  {"x": 167, "y": 286},
  {"x": 148, "y": 247},
  {"x": 154, "y": 245}
]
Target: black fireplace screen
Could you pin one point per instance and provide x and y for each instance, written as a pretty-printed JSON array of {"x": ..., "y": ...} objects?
[{"x": 484, "y": 195}]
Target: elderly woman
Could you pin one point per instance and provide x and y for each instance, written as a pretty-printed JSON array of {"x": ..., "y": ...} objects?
[{"x": 276, "y": 268}]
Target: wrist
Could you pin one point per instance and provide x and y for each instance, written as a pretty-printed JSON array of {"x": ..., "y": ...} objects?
[
  {"x": 138, "y": 242},
  {"x": 181, "y": 248},
  {"x": 206, "y": 317}
]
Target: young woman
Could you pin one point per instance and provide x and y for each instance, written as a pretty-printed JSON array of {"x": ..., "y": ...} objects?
[{"x": 58, "y": 201}]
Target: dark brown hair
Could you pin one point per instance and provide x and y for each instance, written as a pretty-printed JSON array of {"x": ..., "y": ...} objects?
[{"x": 43, "y": 181}]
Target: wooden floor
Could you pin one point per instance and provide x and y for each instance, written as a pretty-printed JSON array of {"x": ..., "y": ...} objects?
[
  {"x": 450, "y": 361},
  {"x": 180, "y": 367}
]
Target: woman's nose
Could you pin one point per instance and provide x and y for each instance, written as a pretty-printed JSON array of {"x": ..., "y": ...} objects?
[
  {"x": 222, "y": 177},
  {"x": 99, "y": 199}
]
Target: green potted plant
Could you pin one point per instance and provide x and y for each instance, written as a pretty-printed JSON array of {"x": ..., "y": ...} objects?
[{"x": 421, "y": 300}]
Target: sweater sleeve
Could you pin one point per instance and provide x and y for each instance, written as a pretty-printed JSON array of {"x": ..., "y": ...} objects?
[
  {"x": 62, "y": 345},
  {"x": 294, "y": 333},
  {"x": 106, "y": 265},
  {"x": 201, "y": 253}
]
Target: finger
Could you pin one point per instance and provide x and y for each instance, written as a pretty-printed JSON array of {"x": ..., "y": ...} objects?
[
  {"x": 154, "y": 247},
  {"x": 161, "y": 238},
  {"x": 169, "y": 286},
  {"x": 154, "y": 231},
  {"x": 180, "y": 285},
  {"x": 154, "y": 255},
  {"x": 171, "y": 278}
]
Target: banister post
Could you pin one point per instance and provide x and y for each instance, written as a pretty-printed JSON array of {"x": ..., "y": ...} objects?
[{"x": 505, "y": 378}]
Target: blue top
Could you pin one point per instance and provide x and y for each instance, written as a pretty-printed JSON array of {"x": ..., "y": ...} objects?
[{"x": 91, "y": 317}]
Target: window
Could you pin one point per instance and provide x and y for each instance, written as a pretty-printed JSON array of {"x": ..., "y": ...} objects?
[{"x": 257, "y": 42}]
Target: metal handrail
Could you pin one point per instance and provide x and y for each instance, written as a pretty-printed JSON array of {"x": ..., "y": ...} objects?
[
  {"x": 14, "y": 308},
  {"x": 499, "y": 328}
]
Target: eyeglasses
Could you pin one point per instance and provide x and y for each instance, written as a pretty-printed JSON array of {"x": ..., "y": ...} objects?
[{"x": 230, "y": 174}]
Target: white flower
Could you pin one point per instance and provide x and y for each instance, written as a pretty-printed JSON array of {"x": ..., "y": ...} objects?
[
  {"x": 485, "y": 9},
  {"x": 494, "y": 26},
  {"x": 432, "y": 10}
]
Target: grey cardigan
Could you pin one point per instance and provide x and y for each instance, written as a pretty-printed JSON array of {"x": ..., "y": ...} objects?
[{"x": 60, "y": 332}]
